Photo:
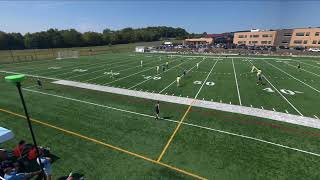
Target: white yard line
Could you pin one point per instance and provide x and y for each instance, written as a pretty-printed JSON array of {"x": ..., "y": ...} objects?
[
  {"x": 204, "y": 82},
  {"x": 257, "y": 112},
  {"x": 174, "y": 121},
  {"x": 181, "y": 77},
  {"x": 293, "y": 77},
  {"x": 303, "y": 69},
  {"x": 235, "y": 77},
  {"x": 155, "y": 75},
  {"x": 281, "y": 94}
]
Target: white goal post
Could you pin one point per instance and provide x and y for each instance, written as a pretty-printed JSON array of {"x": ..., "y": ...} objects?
[{"x": 67, "y": 54}]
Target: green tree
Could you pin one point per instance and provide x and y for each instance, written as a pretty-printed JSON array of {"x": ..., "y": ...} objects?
[{"x": 92, "y": 39}]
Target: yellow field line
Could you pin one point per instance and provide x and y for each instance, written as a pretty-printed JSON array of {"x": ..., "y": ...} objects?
[
  {"x": 175, "y": 131},
  {"x": 106, "y": 145}
]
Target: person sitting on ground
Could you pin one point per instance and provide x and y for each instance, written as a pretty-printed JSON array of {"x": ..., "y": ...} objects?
[
  {"x": 46, "y": 165},
  {"x": 10, "y": 173},
  {"x": 17, "y": 151}
]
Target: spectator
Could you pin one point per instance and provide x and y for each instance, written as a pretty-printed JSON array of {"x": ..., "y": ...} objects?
[
  {"x": 17, "y": 151},
  {"x": 46, "y": 165},
  {"x": 11, "y": 174}
]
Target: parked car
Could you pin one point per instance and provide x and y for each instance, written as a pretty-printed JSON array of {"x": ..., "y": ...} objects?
[{"x": 314, "y": 50}]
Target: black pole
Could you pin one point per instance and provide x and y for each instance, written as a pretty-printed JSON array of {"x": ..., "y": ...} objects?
[{"x": 18, "y": 84}]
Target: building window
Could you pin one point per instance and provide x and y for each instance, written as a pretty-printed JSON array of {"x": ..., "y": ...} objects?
[
  {"x": 254, "y": 42},
  {"x": 266, "y": 35},
  {"x": 249, "y": 42},
  {"x": 300, "y": 34},
  {"x": 317, "y": 33},
  {"x": 318, "y": 42},
  {"x": 284, "y": 42},
  {"x": 240, "y": 42},
  {"x": 250, "y": 36},
  {"x": 269, "y": 42},
  {"x": 305, "y": 42},
  {"x": 314, "y": 42},
  {"x": 264, "y": 42},
  {"x": 287, "y": 34},
  {"x": 255, "y": 36},
  {"x": 242, "y": 36},
  {"x": 297, "y": 42},
  {"x": 244, "y": 42},
  {"x": 307, "y": 33}
]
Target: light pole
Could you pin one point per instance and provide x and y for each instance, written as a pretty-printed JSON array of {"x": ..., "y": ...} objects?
[{"x": 16, "y": 79}]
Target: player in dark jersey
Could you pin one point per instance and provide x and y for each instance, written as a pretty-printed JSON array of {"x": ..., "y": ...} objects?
[
  {"x": 299, "y": 66},
  {"x": 39, "y": 83},
  {"x": 157, "y": 109}
]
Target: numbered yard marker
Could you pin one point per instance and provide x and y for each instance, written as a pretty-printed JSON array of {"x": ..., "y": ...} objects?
[
  {"x": 151, "y": 77},
  {"x": 284, "y": 91},
  {"x": 207, "y": 83},
  {"x": 111, "y": 73},
  {"x": 80, "y": 70},
  {"x": 54, "y": 67}
]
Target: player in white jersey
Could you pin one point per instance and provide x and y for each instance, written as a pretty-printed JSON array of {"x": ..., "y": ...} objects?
[
  {"x": 197, "y": 65},
  {"x": 178, "y": 81},
  {"x": 259, "y": 75},
  {"x": 158, "y": 69},
  {"x": 141, "y": 62}
]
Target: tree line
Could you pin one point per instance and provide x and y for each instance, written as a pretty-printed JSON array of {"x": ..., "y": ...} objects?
[{"x": 54, "y": 38}]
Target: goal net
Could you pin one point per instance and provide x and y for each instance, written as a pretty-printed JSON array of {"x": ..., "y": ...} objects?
[{"x": 67, "y": 54}]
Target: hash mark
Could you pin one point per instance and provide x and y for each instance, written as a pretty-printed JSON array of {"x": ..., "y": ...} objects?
[
  {"x": 250, "y": 105},
  {"x": 316, "y": 116},
  {"x": 287, "y": 112},
  {"x": 273, "y": 109},
  {"x": 261, "y": 107}
]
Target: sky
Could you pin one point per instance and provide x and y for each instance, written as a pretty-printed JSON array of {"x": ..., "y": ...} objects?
[{"x": 196, "y": 16}]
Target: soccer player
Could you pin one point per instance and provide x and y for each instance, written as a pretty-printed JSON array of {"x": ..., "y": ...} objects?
[
  {"x": 141, "y": 62},
  {"x": 39, "y": 83},
  {"x": 163, "y": 68},
  {"x": 299, "y": 66},
  {"x": 197, "y": 65},
  {"x": 178, "y": 81},
  {"x": 259, "y": 75},
  {"x": 158, "y": 69},
  {"x": 111, "y": 73},
  {"x": 157, "y": 108},
  {"x": 167, "y": 64},
  {"x": 184, "y": 72}
]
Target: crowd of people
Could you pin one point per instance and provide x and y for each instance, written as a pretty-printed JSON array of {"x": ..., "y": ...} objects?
[{"x": 23, "y": 163}]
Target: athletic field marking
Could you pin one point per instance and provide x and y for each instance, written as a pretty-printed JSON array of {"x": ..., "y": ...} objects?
[
  {"x": 273, "y": 109},
  {"x": 261, "y": 107},
  {"x": 105, "y": 144},
  {"x": 63, "y": 69},
  {"x": 174, "y": 132},
  {"x": 181, "y": 77},
  {"x": 204, "y": 82},
  {"x": 235, "y": 77},
  {"x": 103, "y": 68},
  {"x": 172, "y": 121},
  {"x": 281, "y": 94},
  {"x": 307, "y": 64},
  {"x": 303, "y": 70},
  {"x": 290, "y": 118},
  {"x": 184, "y": 116},
  {"x": 316, "y": 116},
  {"x": 117, "y": 71},
  {"x": 133, "y": 74},
  {"x": 287, "y": 112},
  {"x": 294, "y": 77},
  {"x": 156, "y": 75}
]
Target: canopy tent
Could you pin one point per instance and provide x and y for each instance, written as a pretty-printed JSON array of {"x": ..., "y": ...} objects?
[{"x": 5, "y": 134}]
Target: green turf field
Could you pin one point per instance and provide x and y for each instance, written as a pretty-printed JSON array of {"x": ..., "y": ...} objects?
[{"x": 109, "y": 136}]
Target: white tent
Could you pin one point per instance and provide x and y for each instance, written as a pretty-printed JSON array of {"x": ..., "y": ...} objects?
[{"x": 5, "y": 134}]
